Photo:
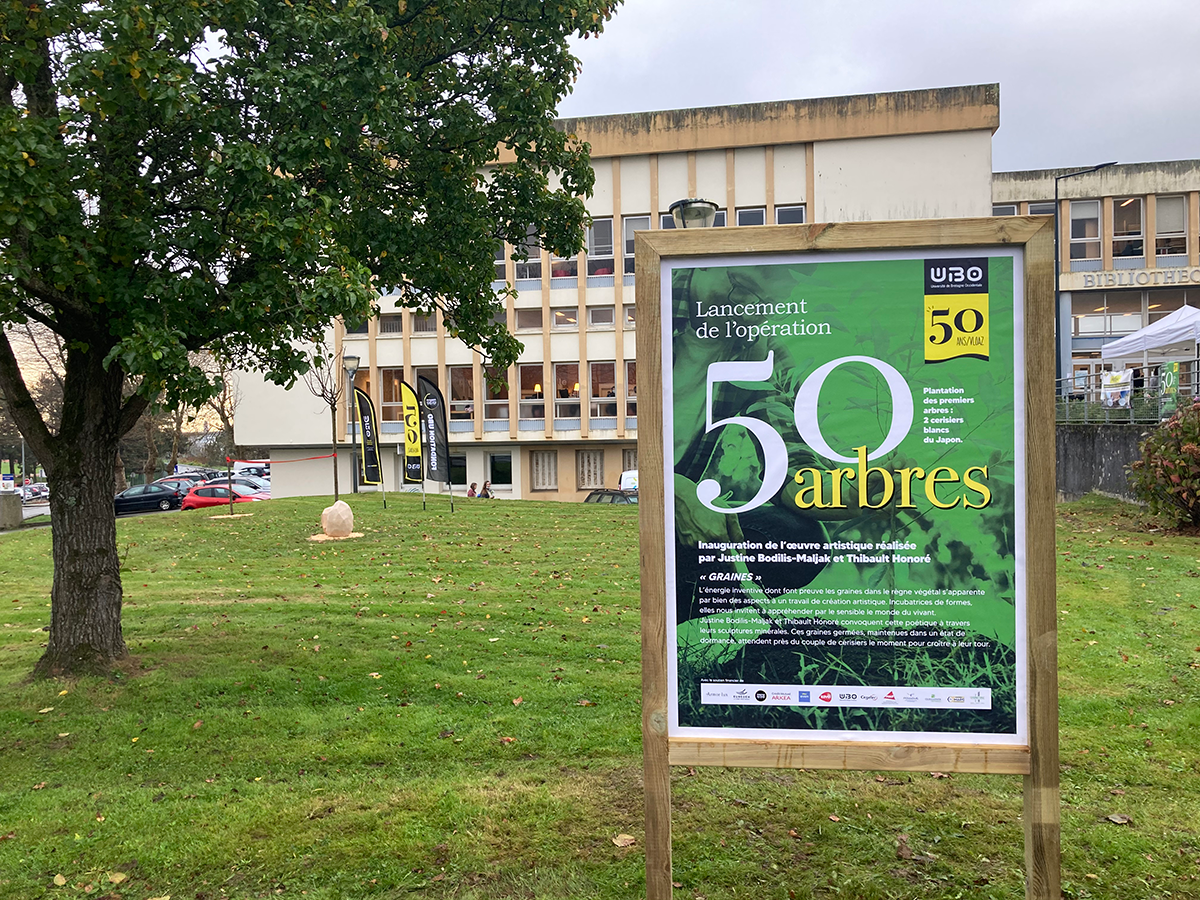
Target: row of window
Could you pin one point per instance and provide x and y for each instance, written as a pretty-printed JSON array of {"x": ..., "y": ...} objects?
[
  {"x": 600, "y": 243},
  {"x": 1109, "y": 313},
  {"x": 543, "y": 469},
  {"x": 1128, "y": 228},
  {"x": 567, "y": 392},
  {"x": 562, "y": 318}
]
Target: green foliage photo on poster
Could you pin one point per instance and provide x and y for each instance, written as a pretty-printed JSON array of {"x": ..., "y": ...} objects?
[{"x": 843, "y": 435}]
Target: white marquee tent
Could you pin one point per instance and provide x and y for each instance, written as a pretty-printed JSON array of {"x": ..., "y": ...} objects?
[{"x": 1173, "y": 337}]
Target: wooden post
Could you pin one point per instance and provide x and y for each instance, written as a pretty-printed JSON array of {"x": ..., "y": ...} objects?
[
  {"x": 655, "y": 765},
  {"x": 1041, "y": 800}
]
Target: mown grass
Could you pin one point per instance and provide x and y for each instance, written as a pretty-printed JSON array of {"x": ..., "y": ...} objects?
[{"x": 340, "y": 720}]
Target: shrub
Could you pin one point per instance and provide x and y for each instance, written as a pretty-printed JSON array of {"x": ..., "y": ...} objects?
[{"x": 1167, "y": 477}]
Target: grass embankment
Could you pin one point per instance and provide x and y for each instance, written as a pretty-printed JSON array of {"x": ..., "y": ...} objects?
[{"x": 449, "y": 707}]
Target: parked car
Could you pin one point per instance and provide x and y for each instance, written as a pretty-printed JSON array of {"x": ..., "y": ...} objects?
[
  {"x": 260, "y": 471},
  {"x": 205, "y": 495},
  {"x": 181, "y": 483},
  {"x": 249, "y": 481},
  {"x": 146, "y": 497},
  {"x": 611, "y": 495}
]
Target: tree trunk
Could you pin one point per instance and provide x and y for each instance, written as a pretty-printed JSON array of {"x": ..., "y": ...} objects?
[
  {"x": 85, "y": 600},
  {"x": 333, "y": 444}
]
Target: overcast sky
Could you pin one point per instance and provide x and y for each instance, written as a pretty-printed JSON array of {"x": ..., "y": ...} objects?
[{"x": 1081, "y": 81}]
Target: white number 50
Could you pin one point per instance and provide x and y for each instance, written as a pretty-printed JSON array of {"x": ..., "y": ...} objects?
[{"x": 773, "y": 448}]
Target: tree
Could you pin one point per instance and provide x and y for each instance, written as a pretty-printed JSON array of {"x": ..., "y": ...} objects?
[
  {"x": 324, "y": 380},
  {"x": 230, "y": 175}
]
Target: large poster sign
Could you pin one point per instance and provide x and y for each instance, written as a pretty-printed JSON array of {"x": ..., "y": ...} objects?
[{"x": 844, "y": 485}]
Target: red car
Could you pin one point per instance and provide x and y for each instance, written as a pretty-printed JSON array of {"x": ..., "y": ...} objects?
[{"x": 203, "y": 495}]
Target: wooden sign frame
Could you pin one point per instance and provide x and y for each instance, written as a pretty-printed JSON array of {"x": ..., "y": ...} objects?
[{"x": 1032, "y": 237}]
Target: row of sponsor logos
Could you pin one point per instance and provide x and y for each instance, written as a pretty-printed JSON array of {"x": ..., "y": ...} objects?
[{"x": 722, "y": 693}]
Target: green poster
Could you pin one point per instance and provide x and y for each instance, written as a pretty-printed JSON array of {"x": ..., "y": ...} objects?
[
  {"x": 845, "y": 493},
  {"x": 1170, "y": 389}
]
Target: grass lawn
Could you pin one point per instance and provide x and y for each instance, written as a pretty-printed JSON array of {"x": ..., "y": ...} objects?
[{"x": 449, "y": 707}]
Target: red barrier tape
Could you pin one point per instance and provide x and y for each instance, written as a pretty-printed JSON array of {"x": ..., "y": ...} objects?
[{"x": 269, "y": 462}]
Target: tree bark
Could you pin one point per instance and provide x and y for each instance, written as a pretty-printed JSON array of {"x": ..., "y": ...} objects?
[{"x": 85, "y": 600}]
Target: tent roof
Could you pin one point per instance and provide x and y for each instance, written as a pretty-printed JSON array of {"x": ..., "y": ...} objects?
[{"x": 1171, "y": 336}]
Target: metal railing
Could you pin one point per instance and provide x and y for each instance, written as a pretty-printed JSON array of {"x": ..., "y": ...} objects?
[{"x": 1088, "y": 400}]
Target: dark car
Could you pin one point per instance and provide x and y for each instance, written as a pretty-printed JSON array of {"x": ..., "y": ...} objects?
[
  {"x": 146, "y": 497},
  {"x": 611, "y": 495},
  {"x": 181, "y": 483}
]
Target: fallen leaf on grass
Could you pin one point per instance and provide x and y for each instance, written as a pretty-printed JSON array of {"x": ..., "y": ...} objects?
[
  {"x": 624, "y": 840},
  {"x": 8, "y": 837},
  {"x": 117, "y": 877},
  {"x": 199, "y": 722},
  {"x": 903, "y": 851},
  {"x": 374, "y": 675},
  {"x": 517, "y": 701},
  {"x": 507, "y": 740},
  {"x": 938, "y": 775},
  {"x": 46, "y": 709},
  {"x": 60, "y": 880},
  {"x": 62, "y": 693},
  {"x": 586, "y": 703},
  {"x": 163, "y": 897},
  {"x": 1120, "y": 819},
  {"x": 39, "y": 785},
  {"x": 834, "y": 819}
]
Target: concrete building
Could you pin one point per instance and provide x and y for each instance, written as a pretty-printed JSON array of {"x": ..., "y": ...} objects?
[
  {"x": 566, "y": 422},
  {"x": 1129, "y": 239}
]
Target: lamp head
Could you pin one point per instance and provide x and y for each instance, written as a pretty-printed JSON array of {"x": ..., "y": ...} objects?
[{"x": 693, "y": 213}]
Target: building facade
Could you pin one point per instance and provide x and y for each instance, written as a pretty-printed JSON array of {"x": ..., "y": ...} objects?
[
  {"x": 563, "y": 420},
  {"x": 1129, "y": 252}
]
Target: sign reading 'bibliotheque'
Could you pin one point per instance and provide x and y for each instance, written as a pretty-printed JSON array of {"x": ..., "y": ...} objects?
[{"x": 845, "y": 488}]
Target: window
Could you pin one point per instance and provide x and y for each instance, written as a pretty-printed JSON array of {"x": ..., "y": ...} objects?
[
  {"x": 529, "y": 320},
  {"x": 565, "y": 318},
  {"x": 530, "y": 248},
  {"x": 458, "y": 470},
  {"x": 500, "y": 274},
  {"x": 589, "y": 469},
  {"x": 1170, "y": 232},
  {"x": 1042, "y": 209},
  {"x": 1004, "y": 209},
  {"x": 628, "y": 459},
  {"x": 532, "y": 406},
  {"x": 543, "y": 470},
  {"x": 424, "y": 323},
  {"x": 462, "y": 392},
  {"x": 668, "y": 221},
  {"x": 1127, "y": 227},
  {"x": 601, "y": 317},
  {"x": 1114, "y": 312},
  {"x": 564, "y": 266},
  {"x": 790, "y": 215},
  {"x": 630, "y": 315},
  {"x": 755, "y": 216},
  {"x": 427, "y": 372},
  {"x": 629, "y": 225},
  {"x": 566, "y": 390},
  {"x": 359, "y": 327},
  {"x": 391, "y": 323},
  {"x": 600, "y": 247},
  {"x": 603, "y": 385},
  {"x": 496, "y": 386},
  {"x": 392, "y": 407},
  {"x": 1085, "y": 229},
  {"x": 631, "y": 388},
  {"x": 500, "y": 469}
]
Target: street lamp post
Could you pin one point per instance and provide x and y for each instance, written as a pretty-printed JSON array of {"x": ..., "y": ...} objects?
[
  {"x": 693, "y": 213},
  {"x": 350, "y": 364},
  {"x": 1059, "y": 335}
]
